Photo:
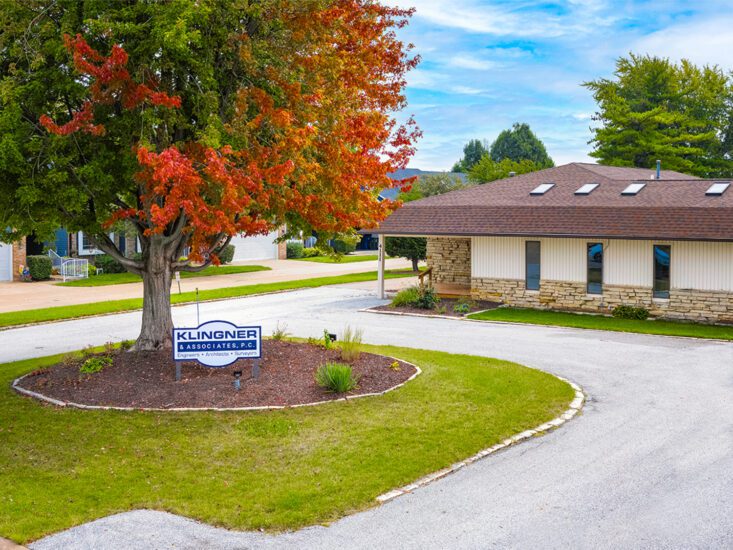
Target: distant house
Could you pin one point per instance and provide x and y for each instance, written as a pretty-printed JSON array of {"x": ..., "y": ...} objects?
[
  {"x": 12, "y": 256},
  {"x": 369, "y": 240},
  {"x": 584, "y": 237}
]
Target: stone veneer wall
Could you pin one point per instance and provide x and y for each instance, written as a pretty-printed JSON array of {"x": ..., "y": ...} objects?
[
  {"x": 692, "y": 305},
  {"x": 450, "y": 259},
  {"x": 19, "y": 256}
]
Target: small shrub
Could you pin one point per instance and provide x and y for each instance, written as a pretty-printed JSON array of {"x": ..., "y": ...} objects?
[
  {"x": 312, "y": 341},
  {"x": 227, "y": 255},
  {"x": 427, "y": 298},
  {"x": 40, "y": 267},
  {"x": 108, "y": 264},
  {"x": 631, "y": 312},
  {"x": 327, "y": 342},
  {"x": 395, "y": 366},
  {"x": 95, "y": 364},
  {"x": 311, "y": 252},
  {"x": 294, "y": 250},
  {"x": 441, "y": 310},
  {"x": 351, "y": 344},
  {"x": 280, "y": 332},
  {"x": 344, "y": 246},
  {"x": 336, "y": 377},
  {"x": 109, "y": 348},
  {"x": 91, "y": 270},
  {"x": 464, "y": 305},
  {"x": 87, "y": 352}
]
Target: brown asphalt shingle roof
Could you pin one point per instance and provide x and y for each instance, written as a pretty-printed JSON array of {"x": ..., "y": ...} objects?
[{"x": 673, "y": 207}]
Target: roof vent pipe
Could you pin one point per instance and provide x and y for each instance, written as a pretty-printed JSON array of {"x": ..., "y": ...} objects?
[
  {"x": 512, "y": 174},
  {"x": 659, "y": 169}
]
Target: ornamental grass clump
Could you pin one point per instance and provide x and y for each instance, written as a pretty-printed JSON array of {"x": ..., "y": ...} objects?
[
  {"x": 336, "y": 377},
  {"x": 422, "y": 297},
  {"x": 351, "y": 344}
]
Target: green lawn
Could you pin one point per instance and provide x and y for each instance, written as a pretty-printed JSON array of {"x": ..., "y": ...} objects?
[
  {"x": 598, "y": 322},
  {"x": 249, "y": 470},
  {"x": 124, "y": 278},
  {"x": 58, "y": 313},
  {"x": 342, "y": 260}
]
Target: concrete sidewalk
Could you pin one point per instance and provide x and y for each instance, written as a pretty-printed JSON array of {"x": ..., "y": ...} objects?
[{"x": 21, "y": 296}]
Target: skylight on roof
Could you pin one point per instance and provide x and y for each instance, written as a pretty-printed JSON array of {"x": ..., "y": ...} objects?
[
  {"x": 542, "y": 189},
  {"x": 717, "y": 189},
  {"x": 587, "y": 189},
  {"x": 633, "y": 189}
]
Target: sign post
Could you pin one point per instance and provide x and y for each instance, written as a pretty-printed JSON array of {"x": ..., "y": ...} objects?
[{"x": 217, "y": 344}]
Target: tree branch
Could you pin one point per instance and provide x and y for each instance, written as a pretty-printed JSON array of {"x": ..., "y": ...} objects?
[{"x": 104, "y": 243}]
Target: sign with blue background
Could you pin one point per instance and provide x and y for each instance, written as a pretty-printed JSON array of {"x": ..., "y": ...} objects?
[{"x": 217, "y": 343}]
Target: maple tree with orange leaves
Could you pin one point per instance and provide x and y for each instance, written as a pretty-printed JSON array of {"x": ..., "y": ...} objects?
[{"x": 196, "y": 125}]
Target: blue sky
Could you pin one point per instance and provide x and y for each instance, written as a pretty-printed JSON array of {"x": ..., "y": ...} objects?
[{"x": 489, "y": 63}]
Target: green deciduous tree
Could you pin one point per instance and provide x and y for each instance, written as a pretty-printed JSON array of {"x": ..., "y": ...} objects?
[
  {"x": 472, "y": 153},
  {"x": 488, "y": 170},
  {"x": 410, "y": 248},
  {"x": 653, "y": 109},
  {"x": 438, "y": 184},
  {"x": 520, "y": 143}
]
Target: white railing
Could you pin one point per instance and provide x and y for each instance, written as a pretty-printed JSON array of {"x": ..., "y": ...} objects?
[
  {"x": 69, "y": 268},
  {"x": 56, "y": 260},
  {"x": 75, "y": 268}
]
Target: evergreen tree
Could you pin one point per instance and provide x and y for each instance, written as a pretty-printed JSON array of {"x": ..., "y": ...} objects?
[
  {"x": 520, "y": 143},
  {"x": 472, "y": 153}
]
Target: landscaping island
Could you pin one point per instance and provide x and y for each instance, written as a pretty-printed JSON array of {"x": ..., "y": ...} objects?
[{"x": 147, "y": 379}]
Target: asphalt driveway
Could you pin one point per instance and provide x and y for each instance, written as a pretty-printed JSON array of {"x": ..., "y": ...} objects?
[{"x": 648, "y": 464}]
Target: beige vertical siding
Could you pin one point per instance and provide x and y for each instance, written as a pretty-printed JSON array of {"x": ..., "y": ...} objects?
[
  {"x": 629, "y": 263},
  {"x": 564, "y": 260},
  {"x": 702, "y": 266},
  {"x": 695, "y": 265},
  {"x": 497, "y": 257}
]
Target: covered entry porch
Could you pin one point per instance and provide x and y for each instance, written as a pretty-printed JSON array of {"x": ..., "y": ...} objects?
[{"x": 448, "y": 262}]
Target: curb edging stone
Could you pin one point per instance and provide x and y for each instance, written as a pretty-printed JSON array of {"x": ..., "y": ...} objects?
[{"x": 70, "y": 404}]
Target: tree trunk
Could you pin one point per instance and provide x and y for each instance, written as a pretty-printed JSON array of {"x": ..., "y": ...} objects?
[
  {"x": 415, "y": 267},
  {"x": 157, "y": 326}
]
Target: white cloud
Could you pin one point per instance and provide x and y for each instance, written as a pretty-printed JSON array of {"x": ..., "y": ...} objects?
[
  {"x": 465, "y": 90},
  {"x": 581, "y": 116},
  {"x": 520, "y": 19},
  {"x": 472, "y": 63},
  {"x": 704, "y": 42}
]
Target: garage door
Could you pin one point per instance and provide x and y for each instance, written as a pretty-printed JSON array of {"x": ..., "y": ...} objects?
[
  {"x": 6, "y": 262},
  {"x": 259, "y": 247}
]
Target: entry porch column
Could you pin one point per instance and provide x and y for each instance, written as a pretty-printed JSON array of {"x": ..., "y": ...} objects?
[{"x": 380, "y": 268}]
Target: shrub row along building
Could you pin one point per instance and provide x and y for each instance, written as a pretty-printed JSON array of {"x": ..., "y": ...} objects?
[{"x": 584, "y": 237}]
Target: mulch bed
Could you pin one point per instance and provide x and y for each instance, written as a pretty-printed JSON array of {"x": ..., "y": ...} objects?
[
  {"x": 449, "y": 303},
  {"x": 147, "y": 379}
]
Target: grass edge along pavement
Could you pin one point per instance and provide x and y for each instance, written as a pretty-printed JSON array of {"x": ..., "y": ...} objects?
[
  {"x": 601, "y": 322},
  {"x": 108, "y": 279},
  {"x": 60, "y": 313},
  {"x": 345, "y": 259},
  {"x": 272, "y": 470}
]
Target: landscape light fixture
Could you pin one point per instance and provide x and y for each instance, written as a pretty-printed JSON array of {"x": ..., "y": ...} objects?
[
  {"x": 237, "y": 380},
  {"x": 331, "y": 337}
]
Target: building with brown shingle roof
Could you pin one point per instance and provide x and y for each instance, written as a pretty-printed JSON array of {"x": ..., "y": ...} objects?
[{"x": 584, "y": 237}]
